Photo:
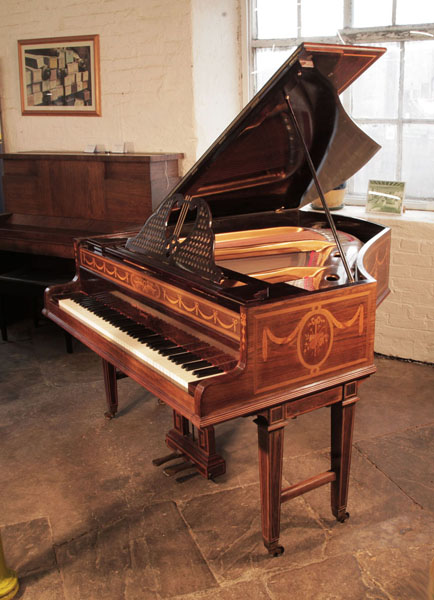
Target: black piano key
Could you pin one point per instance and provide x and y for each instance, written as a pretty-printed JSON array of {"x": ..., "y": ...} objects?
[
  {"x": 172, "y": 351},
  {"x": 134, "y": 333},
  {"x": 127, "y": 327},
  {"x": 207, "y": 371},
  {"x": 181, "y": 359},
  {"x": 134, "y": 329},
  {"x": 197, "y": 364},
  {"x": 147, "y": 338},
  {"x": 138, "y": 328},
  {"x": 161, "y": 344}
]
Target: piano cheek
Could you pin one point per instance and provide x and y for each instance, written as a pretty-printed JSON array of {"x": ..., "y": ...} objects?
[{"x": 214, "y": 393}]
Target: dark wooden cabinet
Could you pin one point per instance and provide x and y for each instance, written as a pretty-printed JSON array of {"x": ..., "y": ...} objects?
[{"x": 50, "y": 198}]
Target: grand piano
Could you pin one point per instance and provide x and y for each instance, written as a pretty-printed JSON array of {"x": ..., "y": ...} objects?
[{"x": 235, "y": 299}]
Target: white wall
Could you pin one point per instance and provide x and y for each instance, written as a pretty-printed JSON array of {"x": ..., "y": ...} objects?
[
  {"x": 216, "y": 67},
  {"x": 147, "y": 91},
  {"x": 405, "y": 320}
]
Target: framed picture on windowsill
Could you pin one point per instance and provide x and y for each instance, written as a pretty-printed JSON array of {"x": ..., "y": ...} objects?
[
  {"x": 60, "y": 76},
  {"x": 385, "y": 197}
]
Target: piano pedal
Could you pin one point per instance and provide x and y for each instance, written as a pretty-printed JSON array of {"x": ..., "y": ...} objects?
[
  {"x": 174, "y": 469},
  {"x": 184, "y": 478},
  {"x": 160, "y": 461}
]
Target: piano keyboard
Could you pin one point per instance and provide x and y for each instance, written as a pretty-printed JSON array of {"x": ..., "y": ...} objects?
[{"x": 178, "y": 363}]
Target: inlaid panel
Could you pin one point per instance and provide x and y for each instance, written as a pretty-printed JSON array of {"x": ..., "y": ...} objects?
[
  {"x": 220, "y": 319},
  {"x": 313, "y": 339}
]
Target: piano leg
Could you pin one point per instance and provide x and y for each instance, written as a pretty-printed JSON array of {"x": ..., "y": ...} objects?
[
  {"x": 270, "y": 444},
  {"x": 199, "y": 449},
  {"x": 342, "y": 424},
  {"x": 111, "y": 388}
]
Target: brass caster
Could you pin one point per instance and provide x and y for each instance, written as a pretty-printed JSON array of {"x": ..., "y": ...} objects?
[
  {"x": 275, "y": 549},
  {"x": 342, "y": 517}
]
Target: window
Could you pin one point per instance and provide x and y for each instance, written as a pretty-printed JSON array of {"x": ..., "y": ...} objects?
[{"x": 393, "y": 101}]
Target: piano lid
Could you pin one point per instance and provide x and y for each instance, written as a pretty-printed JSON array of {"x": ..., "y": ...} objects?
[{"x": 258, "y": 163}]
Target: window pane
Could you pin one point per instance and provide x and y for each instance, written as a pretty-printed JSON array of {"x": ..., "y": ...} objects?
[
  {"x": 267, "y": 63},
  {"x": 321, "y": 18},
  {"x": 419, "y": 80},
  {"x": 414, "y": 11},
  {"x": 375, "y": 93},
  {"x": 371, "y": 13},
  {"x": 383, "y": 164},
  {"x": 417, "y": 161},
  {"x": 277, "y": 19}
]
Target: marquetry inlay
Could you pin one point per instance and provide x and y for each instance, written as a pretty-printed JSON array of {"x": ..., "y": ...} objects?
[
  {"x": 223, "y": 320},
  {"x": 313, "y": 335},
  {"x": 377, "y": 260},
  {"x": 311, "y": 340}
]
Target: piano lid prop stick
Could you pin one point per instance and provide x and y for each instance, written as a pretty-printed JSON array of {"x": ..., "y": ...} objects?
[{"x": 319, "y": 189}]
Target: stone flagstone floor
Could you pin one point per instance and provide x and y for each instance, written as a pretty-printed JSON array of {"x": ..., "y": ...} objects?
[{"x": 84, "y": 515}]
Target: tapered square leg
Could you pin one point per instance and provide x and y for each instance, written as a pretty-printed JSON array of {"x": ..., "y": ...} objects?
[
  {"x": 342, "y": 425},
  {"x": 270, "y": 445},
  {"x": 111, "y": 388}
]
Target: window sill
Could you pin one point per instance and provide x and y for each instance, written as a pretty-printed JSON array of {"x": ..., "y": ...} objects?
[{"x": 415, "y": 216}]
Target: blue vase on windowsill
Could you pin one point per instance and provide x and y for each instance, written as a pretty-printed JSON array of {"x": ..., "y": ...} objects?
[{"x": 334, "y": 198}]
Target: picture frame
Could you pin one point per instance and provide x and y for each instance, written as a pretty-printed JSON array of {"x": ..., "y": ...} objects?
[
  {"x": 385, "y": 197},
  {"x": 60, "y": 76}
]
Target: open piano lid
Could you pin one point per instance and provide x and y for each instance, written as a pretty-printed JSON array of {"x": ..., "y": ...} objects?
[
  {"x": 258, "y": 163},
  {"x": 265, "y": 160}
]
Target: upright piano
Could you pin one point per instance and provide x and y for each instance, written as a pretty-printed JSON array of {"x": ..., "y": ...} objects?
[
  {"x": 53, "y": 197},
  {"x": 235, "y": 299}
]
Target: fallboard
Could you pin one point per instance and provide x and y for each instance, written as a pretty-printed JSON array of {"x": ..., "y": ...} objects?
[{"x": 182, "y": 305}]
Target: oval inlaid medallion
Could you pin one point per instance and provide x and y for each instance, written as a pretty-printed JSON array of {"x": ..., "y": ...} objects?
[{"x": 315, "y": 339}]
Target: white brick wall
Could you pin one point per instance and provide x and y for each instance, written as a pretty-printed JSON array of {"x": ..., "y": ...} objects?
[
  {"x": 216, "y": 67},
  {"x": 147, "y": 92},
  {"x": 405, "y": 320}
]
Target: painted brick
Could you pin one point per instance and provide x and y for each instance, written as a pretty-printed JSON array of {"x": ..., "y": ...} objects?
[
  {"x": 408, "y": 245},
  {"x": 393, "y": 345},
  {"x": 417, "y": 286},
  {"x": 420, "y": 311},
  {"x": 395, "y": 308},
  {"x": 424, "y": 350},
  {"x": 426, "y": 273},
  {"x": 427, "y": 248},
  {"x": 404, "y": 258},
  {"x": 406, "y": 322},
  {"x": 391, "y": 332},
  {"x": 401, "y": 271}
]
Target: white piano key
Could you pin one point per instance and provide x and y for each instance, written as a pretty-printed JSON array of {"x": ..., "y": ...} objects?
[{"x": 138, "y": 349}]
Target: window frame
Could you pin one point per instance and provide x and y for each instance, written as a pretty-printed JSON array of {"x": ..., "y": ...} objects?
[{"x": 347, "y": 35}]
